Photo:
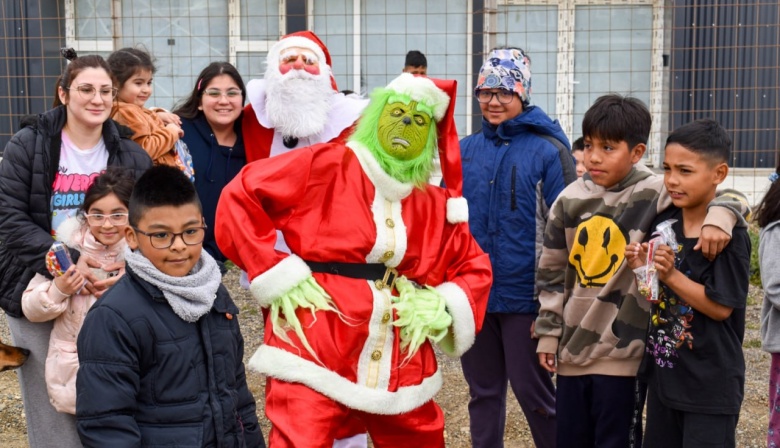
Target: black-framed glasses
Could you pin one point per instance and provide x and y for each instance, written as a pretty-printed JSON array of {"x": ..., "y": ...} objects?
[
  {"x": 216, "y": 93},
  {"x": 163, "y": 240},
  {"x": 98, "y": 219},
  {"x": 88, "y": 91},
  {"x": 503, "y": 96}
]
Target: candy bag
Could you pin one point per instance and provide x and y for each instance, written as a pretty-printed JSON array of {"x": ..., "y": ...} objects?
[
  {"x": 58, "y": 259},
  {"x": 647, "y": 275}
]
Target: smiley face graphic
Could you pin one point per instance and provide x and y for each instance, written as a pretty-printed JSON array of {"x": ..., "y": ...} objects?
[{"x": 598, "y": 250}]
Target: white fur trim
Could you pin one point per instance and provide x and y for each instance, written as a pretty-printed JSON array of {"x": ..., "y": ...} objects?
[
  {"x": 389, "y": 188},
  {"x": 463, "y": 329},
  {"x": 285, "y": 366},
  {"x": 380, "y": 337},
  {"x": 294, "y": 41},
  {"x": 422, "y": 90},
  {"x": 69, "y": 233},
  {"x": 387, "y": 238},
  {"x": 344, "y": 112},
  {"x": 277, "y": 281},
  {"x": 457, "y": 210}
]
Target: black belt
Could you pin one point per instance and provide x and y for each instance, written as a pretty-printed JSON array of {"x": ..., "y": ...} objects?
[{"x": 367, "y": 271}]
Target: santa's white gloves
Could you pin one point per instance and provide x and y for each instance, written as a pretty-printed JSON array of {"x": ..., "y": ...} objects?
[
  {"x": 422, "y": 315},
  {"x": 307, "y": 294}
]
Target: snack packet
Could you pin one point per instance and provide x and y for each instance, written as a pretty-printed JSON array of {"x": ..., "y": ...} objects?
[
  {"x": 58, "y": 259},
  {"x": 647, "y": 275}
]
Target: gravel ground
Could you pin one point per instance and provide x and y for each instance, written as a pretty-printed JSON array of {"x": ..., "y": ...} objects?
[{"x": 453, "y": 398}]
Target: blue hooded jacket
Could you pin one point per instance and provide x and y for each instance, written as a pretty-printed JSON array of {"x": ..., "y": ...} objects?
[
  {"x": 512, "y": 173},
  {"x": 215, "y": 165}
]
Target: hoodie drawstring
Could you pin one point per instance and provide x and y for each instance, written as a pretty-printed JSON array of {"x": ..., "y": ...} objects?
[{"x": 212, "y": 150}]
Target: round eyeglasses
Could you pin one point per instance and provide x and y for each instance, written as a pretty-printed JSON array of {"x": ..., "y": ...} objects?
[
  {"x": 98, "y": 219},
  {"x": 503, "y": 96},
  {"x": 88, "y": 91},
  {"x": 216, "y": 93},
  {"x": 163, "y": 240}
]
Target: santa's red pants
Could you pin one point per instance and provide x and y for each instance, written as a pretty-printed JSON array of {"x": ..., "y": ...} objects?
[{"x": 302, "y": 417}]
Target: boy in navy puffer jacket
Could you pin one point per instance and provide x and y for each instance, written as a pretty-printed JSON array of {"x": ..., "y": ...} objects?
[{"x": 162, "y": 353}]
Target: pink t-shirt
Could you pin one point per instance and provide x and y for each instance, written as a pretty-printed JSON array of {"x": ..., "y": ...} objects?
[{"x": 78, "y": 169}]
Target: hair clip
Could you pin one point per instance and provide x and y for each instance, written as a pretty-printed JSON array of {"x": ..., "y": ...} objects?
[
  {"x": 773, "y": 177},
  {"x": 68, "y": 53},
  {"x": 200, "y": 81}
]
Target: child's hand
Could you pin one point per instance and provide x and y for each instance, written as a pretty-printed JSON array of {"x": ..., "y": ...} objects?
[
  {"x": 547, "y": 361},
  {"x": 168, "y": 117},
  {"x": 70, "y": 282},
  {"x": 175, "y": 128},
  {"x": 664, "y": 261},
  {"x": 636, "y": 255},
  {"x": 712, "y": 241}
]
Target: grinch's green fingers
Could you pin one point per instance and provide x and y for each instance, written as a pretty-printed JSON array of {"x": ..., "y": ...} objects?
[
  {"x": 422, "y": 314},
  {"x": 307, "y": 295}
]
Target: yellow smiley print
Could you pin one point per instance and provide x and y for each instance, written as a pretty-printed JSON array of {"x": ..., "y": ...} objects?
[{"x": 598, "y": 250}]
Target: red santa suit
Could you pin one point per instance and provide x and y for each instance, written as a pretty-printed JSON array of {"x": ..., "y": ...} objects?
[{"x": 334, "y": 203}]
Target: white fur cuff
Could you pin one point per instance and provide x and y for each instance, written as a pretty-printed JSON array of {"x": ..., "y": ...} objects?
[
  {"x": 457, "y": 210},
  {"x": 277, "y": 281},
  {"x": 463, "y": 329},
  {"x": 285, "y": 366}
]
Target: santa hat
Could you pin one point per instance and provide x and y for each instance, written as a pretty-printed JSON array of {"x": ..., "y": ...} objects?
[
  {"x": 439, "y": 95},
  {"x": 302, "y": 39}
]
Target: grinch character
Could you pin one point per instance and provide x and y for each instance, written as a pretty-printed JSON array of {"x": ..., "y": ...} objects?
[
  {"x": 382, "y": 266},
  {"x": 297, "y": 103}
]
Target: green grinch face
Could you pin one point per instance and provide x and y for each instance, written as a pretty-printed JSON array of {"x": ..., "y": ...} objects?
[{"x": 403, "y": 129}]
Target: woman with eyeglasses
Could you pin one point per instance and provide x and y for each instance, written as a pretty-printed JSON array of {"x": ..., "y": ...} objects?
[
  {"x": 47, "y": 167},
  {"x": 211, "y": 120}
]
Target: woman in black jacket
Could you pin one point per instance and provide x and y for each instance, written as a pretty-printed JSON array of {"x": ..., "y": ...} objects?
[{"x": 45, "y": 170}]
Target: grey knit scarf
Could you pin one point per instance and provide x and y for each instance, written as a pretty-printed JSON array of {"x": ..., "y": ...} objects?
[{"x": 190, "y": 296}]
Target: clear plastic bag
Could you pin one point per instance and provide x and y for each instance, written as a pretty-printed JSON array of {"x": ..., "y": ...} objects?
[
  {"x": 184, "y": 159},
  {"x": 647, "y": 275}
]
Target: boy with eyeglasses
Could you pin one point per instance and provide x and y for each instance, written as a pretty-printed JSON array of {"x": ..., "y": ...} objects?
[
  {"x": 513, "y": 169},
  {"x": 162, "y": 353}
]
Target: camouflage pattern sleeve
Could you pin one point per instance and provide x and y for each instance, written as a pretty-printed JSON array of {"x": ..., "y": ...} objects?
[{"x": 550, "y": 279}]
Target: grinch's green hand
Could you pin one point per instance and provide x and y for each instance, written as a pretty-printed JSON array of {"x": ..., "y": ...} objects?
[
  {"x": 422, "y": 315},
  {"x": 306, "y": 294}
]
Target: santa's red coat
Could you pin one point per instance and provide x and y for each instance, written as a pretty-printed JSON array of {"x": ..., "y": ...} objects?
[{"x": 334, "y": 203}]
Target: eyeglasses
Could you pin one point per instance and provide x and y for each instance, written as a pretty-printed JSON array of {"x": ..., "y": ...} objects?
[
  {"x": 163, "y": 240},
  {"x": 88, "y": 91},
  {"x": 503, "y": 96},
  {"x": 216, "y": 93},
  {"x": 98, "y": 219}
]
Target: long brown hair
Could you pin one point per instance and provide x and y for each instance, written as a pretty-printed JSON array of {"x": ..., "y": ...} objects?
[
  {"x": 189, "y": 107},
  {"x": 76, "y": 65},
  {"x": 768, "y": 211}
]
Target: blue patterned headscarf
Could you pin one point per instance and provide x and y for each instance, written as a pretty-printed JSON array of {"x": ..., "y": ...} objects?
[{"x": 507, "y": 68}]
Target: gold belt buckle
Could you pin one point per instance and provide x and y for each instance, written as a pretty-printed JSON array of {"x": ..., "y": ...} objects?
[{"x": 389, "y": 272}]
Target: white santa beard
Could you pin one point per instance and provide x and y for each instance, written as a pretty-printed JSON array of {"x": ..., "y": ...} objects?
[{"x": 297, "y": 104}]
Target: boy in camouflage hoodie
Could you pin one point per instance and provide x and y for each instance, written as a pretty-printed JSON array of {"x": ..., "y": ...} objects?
[{"x": 592, "y": 320}]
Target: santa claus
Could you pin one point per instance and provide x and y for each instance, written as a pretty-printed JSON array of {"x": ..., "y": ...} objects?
[
  {"x": 297, "y": 104},
  {"x": 382, "y": 266}
]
